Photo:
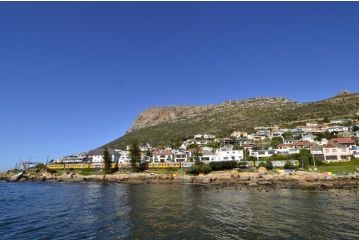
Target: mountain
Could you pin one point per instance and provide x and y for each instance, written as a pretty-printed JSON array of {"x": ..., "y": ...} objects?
[{"x": 166, "y": 125}]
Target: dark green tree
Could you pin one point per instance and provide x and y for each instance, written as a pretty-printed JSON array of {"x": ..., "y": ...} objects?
[
  {"x": 107, "y": 161},
  {"x": 276, "y": 141},
  {"x": 135, "y": 154},
  {"x": 287, "y": 135},
  {"x": 269, "y": 164},
  {"x": 196, "y": 155}
]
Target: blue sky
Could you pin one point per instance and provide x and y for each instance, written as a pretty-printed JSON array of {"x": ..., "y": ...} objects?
[{"x": 74, "y": 76}]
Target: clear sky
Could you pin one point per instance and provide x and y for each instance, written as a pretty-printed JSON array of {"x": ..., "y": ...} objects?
[{"x": 73, "y": 76}]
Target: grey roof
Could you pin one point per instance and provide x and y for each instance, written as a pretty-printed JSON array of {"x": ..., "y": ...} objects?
[{"x": 208, "y": 153}]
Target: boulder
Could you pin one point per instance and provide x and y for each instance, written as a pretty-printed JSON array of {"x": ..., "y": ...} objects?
[
  {"x": 311, "y": 178},
  {"x": 262, "y": 170}
]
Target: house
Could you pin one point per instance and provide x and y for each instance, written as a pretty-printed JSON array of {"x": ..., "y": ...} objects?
[
  {"x": 289, "y": 141},
  {"x": 187, "y": 164},
  {"x": 282, "y": 163},
  {"x": 180, "y": 156},
  {"x": 276, "y": 134},
  {"x": 337, "y": 129},
  {"x": 208, "y": 156},
  {"x": 262, "y": 134},
  {"x": 345, "y": 134},
  {"x": 298, "y": 144},
  {"x": 239, "y": 134},
  {"x": 242, "y": 141},
  {"x": 297, "y": 132},
  {"x": 225, "y": 140},
  {"x": 162, "y": 156},
  {"x": 323, "y": 141},
  {"x": 308, "y": 138},
  {"x": 205, "y": 148},
  {"x": 96, "y": 155},
  {"x": 336, "y": 153},
  {"x": 261, "y": 153},
  {"x": 124, "y": 156},
  {"x": 288, "y": 151},
  {"x": 311, "y": 124},
  {"x": 229, "y": 155},
  {"x": 317, "y": 152},
  {"x": 203, "y": 139},
  {"x": 80, "y": 158},
  {"x": 355, "y": 151},
  {"x": 343, "y": 141},
  {"x": 338, "y": 121}
]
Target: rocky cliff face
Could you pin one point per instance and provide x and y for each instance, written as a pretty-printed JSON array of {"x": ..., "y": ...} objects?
[
  {"x": 167, "y": 125},
  {"x": 157, "y": 115}
]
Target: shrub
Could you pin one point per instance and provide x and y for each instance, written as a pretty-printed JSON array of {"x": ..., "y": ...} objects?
[
  {"x": 197, "y": 169},
  {"x": 194, "y": 170},
  {"x": 226, "y": 165},
  {"x": 289, "y": 165},
  {"x": 269, "y": 165},
  {"x": 40, "y": 167},
  {"x": 262, "y": 164},
  {"x": 86, "y": 172},
  {"x": 206, "y": 169}
]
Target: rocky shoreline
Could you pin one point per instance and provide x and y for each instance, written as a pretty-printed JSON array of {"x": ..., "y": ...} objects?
[{"x": 301, "y": 180}]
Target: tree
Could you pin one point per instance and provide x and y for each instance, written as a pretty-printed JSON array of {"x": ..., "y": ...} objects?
[
  {"x": 287, "y": 135},
  {"x": 355, "y": 128},
  {"x": 269, "y": 164},
  {"x": 196, "y": 155},
  {"x": 135, "y": 154},
  {"x": 326, "y": 120},
  {"x": 289, "y": 165},
  {"x": 107, "y": 161},
  {"x": 276, "y": 141},
  {"x": 305, "y": 158},
  {"x": 348, "y": 123}
]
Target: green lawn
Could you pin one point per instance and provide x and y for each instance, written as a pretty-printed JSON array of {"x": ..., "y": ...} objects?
[{"x": 340, "y": 167}]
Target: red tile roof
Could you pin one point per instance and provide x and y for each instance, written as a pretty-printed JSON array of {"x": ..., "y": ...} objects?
[{"x": 342, "y": 141}]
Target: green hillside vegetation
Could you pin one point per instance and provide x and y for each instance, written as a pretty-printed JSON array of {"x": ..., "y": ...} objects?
[{"x": 222, "y": 121}]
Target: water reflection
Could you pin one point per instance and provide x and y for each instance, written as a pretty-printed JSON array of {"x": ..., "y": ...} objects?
[{"x": 115, "y": 211}]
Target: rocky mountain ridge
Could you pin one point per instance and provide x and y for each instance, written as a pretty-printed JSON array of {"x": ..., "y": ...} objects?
[
  {"x": 167, "y": 125},
  {"x": 156, "y": 115}
]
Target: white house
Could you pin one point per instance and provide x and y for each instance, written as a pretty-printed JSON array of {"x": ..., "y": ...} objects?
[
  {"x": 336, "y": 153},
  {"x": 239, "y": 134},
  {"x": 97, "y": 155},
  {"x": 323, "y": 141},
  {"x": 124, "y": 156},
  {"x": 261, "y": 153},
  {"x": 281, "y": 163},
  {"x": 337, "y": 129},
  {"x": 309, "y": 138},
  {"x": 355, "y": 151},
  {"x": 203, "y": 139},
  {"x": 288, "y": 151},
  {"x": 208, "y": 156},
  {"x": 162, "y": 156},
  {"x": 229, "y": 155},
  {"x": 205, "y": 148},
  {"x": 180, "y": 156}
]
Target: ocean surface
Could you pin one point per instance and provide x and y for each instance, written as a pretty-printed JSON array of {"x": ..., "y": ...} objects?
[{"x": 120, "y": 211}]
